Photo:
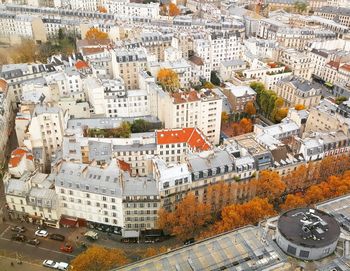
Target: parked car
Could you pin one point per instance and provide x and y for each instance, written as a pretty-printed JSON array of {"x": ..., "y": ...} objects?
[
  {"x": 66, "y": 248},
  {"x": 57, "y": 237},
  {"x": 63, "y": 266},
  {"x": 41, "y": 233},
  {"x": 189, "y": 241},
  {"x": 18, "y": 229},
  {"x": 19, "y": 237},
  {"x": 33, "y": 242},
  {"x": 50, "y": 264},
  {"x": 91, "y": 235}
]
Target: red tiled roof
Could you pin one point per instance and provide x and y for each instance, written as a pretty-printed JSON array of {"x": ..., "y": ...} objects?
[
  {"x": 17, "y": 155},
  {"x": 3, "y": 85},
  {"x": 192, "y": 136},
  {"x": 92, "y": 50},
  {"x": 81, "y": 65},
  {"x": 182, "y": 97},
  {"x": 346, "y": 67},
  {"x": 333, "y": 64},
  {"x": 124, "y": 165}
]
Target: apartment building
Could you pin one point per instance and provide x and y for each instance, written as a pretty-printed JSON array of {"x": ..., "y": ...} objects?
[
  {"x": 295, "y": 90},
  {"x": 127, "y": 9},
  {"x": 174, "y": 144},
  {"x": 33, "y": 199},
  {"x": 192, "y": 109},
  {"x": 6, "y": 116},
  {"x": 299, "y": 63},
  {"x": 218, "y": 47},
  {"x": 238, "y": 96},
  {"x": 182, "y": 67},
  {"x": 15, "y": 74},
  {"x": 156, "y": 42},
  {"x": 21, "y": 161},
  {"x": 127, "y": 64},
  {"x": 15, "y": 27},
  {"x": 106, "y": 195},
  {"x": 228, "y": 69},
  {"x": 340, "y": 14},
  {"x": 325, "y": 117},
  {"x": 141, "y": 203},
  {"x": 45, "y": 132}
]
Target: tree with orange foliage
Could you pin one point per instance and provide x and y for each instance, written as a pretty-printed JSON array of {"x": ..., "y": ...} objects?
[
  {"x": 299, "y": 107},
  {"x": 281, "y": 113},
  {"x": 101, "y": 9},
  {"x": 97, "y": 258},
  {"x": 218, "y": 196},
  {"x": 269, "y": 185},
  {"x": 168, "y": 79},
  {"x": 250, "y": 108},
  {"x": 173, "y": 10},
  {"x": 314, "y": 194},
  {"x": 297, "y": 179},
  {"x": 246, "y": 125},
  {"x": 187, "y": 219},
  {"x": 333, "y": 166},
  {"x": 293, "y": 201},
  {"x": 238, "y": 215},
  {"x": 95, "y": 34},
  {"x": 151, "y": 251}
]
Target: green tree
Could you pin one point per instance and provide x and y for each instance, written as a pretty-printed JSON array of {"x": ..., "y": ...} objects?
[
  {"x": 214, "y": 79},
  {"x": 140, "y": 126}
]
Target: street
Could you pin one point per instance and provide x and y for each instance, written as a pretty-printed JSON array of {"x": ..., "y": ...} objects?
[{"x": 50, "y": 249}]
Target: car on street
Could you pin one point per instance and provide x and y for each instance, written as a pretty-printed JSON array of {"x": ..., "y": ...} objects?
[
  {"x": 56, "y": 236},
  {"x": 66, "y": 248},
  {"x": 41, "y": 233},
  {"x": 19, "y": 237},
  {"x": 33, "y": 242},
  {"x": 18, "y": 229},
  {"x": 63, "y": 266},
  {"x": 91, "y": 235},
  {"x": 189, "y": 241},
  {"x": 50, "y": 264}
]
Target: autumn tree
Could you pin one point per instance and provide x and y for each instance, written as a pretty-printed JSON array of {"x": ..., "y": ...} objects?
[
  {"x": 97, "y": 258},
  {"x": 152, "y": 251},
  {"x": 224, "y": 117},
  {"x": 293, "y": 201},
  {"x": 250, "y": 108},
  {"x": 26, "y": 52},
  {"x": 101, "y": 9},
  {"x": 238, "y": 215},
  {"x": 218, "y": 195},
  {"x": 173, "y": 10},
  {"x": 208, "y": 85},
  {"x": 281, "y": 113},
  {"x": 297, "y": 179},
  {"x": 299, "y": 107},
  {"x": 246, "y": 125},
  {"x": 168, "y": 79},
  {"x": 95, "y": 34},
  {"x": 269, "y": 185},
  {"x": 187, "y": 219},
  {"x": 333, "y": 166}
]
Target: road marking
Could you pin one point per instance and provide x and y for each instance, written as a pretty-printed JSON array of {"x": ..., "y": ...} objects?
[
  {"x": 43, "y": 248},
  {"x": 3, "y": 233}
]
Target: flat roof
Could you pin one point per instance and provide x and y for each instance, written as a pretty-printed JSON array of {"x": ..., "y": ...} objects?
[
  {"x": 294, "y": 226},
  {"x": 243, "y": 249}
]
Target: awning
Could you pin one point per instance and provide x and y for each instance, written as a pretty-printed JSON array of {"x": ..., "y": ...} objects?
[
  {"x": 130, "y": 234},
  {"x": 69, "y": 222}
]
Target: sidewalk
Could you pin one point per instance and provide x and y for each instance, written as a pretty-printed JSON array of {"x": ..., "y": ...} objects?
[{"x": 5, "y": 265}]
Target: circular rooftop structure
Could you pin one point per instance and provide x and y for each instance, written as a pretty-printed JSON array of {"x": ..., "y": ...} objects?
[{"x": 307, "y": 234}]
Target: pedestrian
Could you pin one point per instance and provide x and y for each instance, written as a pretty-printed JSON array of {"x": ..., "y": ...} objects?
[{"x": 11, "y": 263}]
